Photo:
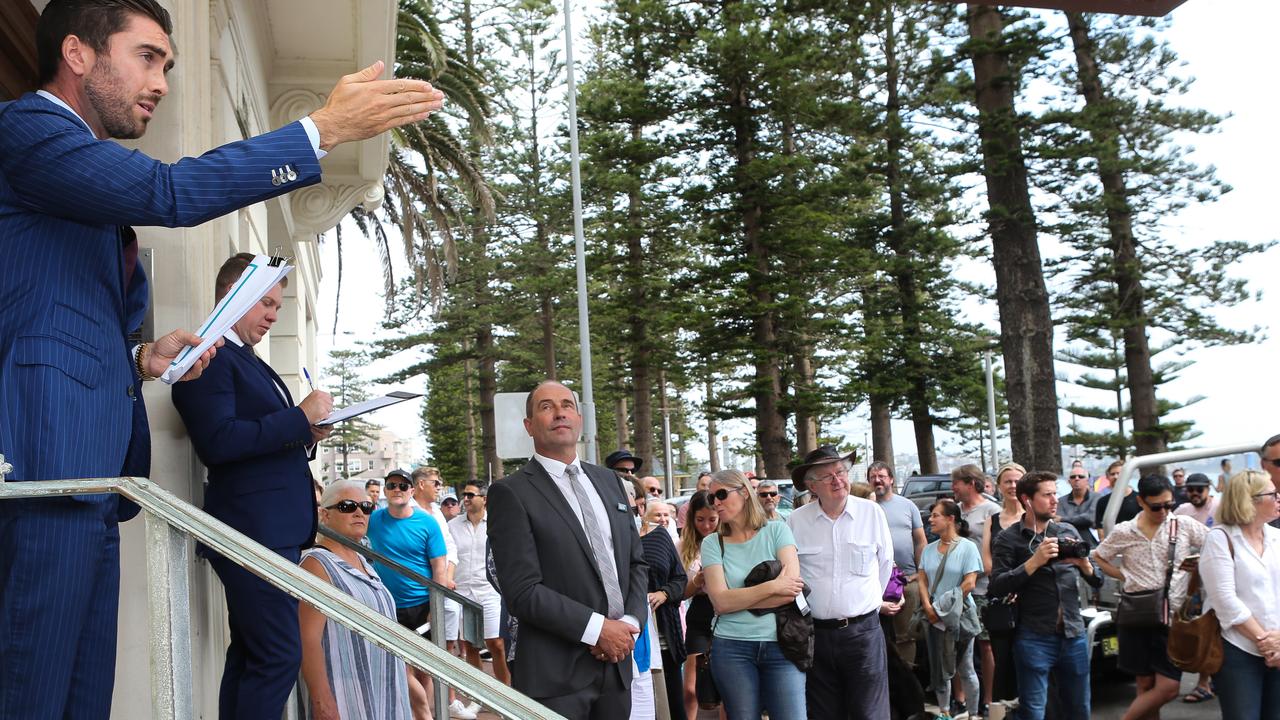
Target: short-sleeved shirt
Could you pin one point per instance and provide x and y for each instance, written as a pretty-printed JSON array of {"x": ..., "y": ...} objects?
[
  {"x": 1144, "y": 560},
  {"x": 1204, "y": 513},
  {"x": 964, "y": 559},
  {"x": 904, "y": 519},
  {"x": 977, "y": 519},
  {"x": 412, "y": 542},
  {"x": 737, "y": 561}
]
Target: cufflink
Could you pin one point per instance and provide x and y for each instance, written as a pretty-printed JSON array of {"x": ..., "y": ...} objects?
[
  {"x": 293, "y": 175},
  {"x": 275, "y": 177}
]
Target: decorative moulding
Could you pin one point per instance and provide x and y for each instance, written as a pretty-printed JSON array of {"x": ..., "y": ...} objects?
[{"x": 318, "y": 208}]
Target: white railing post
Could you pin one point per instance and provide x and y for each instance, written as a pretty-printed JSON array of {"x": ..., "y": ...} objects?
[
  {"x": 5, "y": 468},
  {"x": 169, "y": 599},
  {"x": 440, "y": 700}
]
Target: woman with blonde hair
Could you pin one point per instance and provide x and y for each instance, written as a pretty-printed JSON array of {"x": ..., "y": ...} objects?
[
  {"x": 747, "y": 662},
  {"x": 1240, "y": 566},
  {"x": 1000, "y": 675}
]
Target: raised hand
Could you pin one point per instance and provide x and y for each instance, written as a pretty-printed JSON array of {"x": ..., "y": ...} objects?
[{"x": 362, "y": 106}]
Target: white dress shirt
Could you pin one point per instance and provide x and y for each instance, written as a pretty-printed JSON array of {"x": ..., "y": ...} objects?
[
  {"x": 846, "y": 561},
  {"x": 556, "y": 469},
  {"x": 472, "y": 542},
  {"x": 1243, "y": 587}
]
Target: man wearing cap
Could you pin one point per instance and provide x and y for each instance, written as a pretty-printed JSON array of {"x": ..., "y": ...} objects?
[
  {"x": 1199, "y": 505},
  {"x": 404, "y": 533},
  {"x": 624, "y": 462},
  {"x": 846, "y": 557},
  {"x": 450, "y": 508}
]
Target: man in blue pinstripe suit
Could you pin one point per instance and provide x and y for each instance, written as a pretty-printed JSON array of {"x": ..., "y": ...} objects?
[{"x": 70, "y": 405}]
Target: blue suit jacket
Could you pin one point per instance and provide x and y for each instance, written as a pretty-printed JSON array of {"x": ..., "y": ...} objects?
[
  {"x": 69, "y": 400},
  {"x": 254, "y": 443}
]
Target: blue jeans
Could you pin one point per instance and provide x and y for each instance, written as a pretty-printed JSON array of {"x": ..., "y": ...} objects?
[
  {"x": 1036, "y": 656},
  {"x": 1247, "y": 688},
  {"x": 753, "y": 676}
]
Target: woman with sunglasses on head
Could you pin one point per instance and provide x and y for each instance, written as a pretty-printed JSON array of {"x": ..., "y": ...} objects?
[
  {"x": 1002, "y": 676},
  {"x": 1240, "y": 567},
  {"x": 949, "y": 565},
  {"x": 747, "y": 662},
  {"x": 348, "y": 677},
  {"x": 703, "y": 521},
  {"x": 1138, "y": 552}
]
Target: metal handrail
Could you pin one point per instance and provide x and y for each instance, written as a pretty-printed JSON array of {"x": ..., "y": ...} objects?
[
  {"x": 169, "y": 522},
  {"x": 472, "y": 611},
  {"x": 1132, "y": 465}
]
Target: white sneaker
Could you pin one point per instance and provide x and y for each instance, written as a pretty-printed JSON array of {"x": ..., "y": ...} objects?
[
  {"x": 458, "y": 711},
  {"x": 474, "y": 708}
]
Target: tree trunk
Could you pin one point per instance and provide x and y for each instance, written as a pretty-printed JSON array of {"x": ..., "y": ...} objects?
[
  {"x": 903, "y": 270},
  {"x": 624, "y": 430},
  {"x": 806, "y": 402},
  {"x": 713, "y": 449},
  {"x": 1026, "y": 326},
  {"x": 771, "y": 432},
  {"x": 881, "y": 434},
  {"x": 488, "y": 389},
  {"x": 1126, "y": 268}
]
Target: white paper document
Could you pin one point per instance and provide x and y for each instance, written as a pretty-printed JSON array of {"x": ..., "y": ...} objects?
[
  {"x": 351, "y": 411},
  {"x": 264, "y": 273}
]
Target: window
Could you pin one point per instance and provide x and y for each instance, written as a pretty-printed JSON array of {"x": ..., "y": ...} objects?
[{"x": 356, "y": 465}]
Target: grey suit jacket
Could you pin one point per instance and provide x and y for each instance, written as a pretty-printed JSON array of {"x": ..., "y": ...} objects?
[{"x": 549, "y": 580}]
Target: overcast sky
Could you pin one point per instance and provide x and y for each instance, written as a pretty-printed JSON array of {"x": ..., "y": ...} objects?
[{"x": 1229, "y": 49}]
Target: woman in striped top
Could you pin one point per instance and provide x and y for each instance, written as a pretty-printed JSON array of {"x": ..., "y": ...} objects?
[{"x": 347, "y": 677}]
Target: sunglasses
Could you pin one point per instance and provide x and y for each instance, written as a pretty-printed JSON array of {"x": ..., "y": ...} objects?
[
  {"x": 1079, "y": 477},
  {"x": 1197, "y": 489},
  {"x": 396, "y": 485},
  {"x": 767, "y": 494},
  {"x": 722, "y": 494},
  {"x": 346, "y": 507},
  {"x": 1157, "y": 507},
  {"x": 469, "y": 495},
  {"x": 654, "y": 491}
]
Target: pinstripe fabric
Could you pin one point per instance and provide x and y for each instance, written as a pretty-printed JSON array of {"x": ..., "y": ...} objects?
[
  {"x": 67, "y": 387},
  {"x": 368, "y": 682}
]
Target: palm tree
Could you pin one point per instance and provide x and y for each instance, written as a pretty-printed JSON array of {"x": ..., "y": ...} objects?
[{"x": 432, "y": 180}]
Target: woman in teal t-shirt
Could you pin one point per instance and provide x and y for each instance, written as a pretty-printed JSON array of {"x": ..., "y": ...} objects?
[
  {"x": 746, "y": 660},
  {"x": 950, "y": 653}
]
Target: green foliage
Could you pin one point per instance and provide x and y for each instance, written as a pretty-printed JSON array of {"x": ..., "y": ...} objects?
[{"x": 348, "y": 386}]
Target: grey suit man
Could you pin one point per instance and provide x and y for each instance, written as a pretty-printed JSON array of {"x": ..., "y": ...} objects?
[{"x": 571, "y": 571}]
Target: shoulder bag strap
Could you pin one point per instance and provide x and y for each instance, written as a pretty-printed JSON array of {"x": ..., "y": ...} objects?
[{"x": 942, "y": 568}]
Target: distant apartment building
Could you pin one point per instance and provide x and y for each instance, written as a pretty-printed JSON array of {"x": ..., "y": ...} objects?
[{"x": 380, "y": 456}]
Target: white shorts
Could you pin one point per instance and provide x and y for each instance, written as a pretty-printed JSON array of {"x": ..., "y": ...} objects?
[
  {"x": 492, "y": 604},
  {"x": 452, "y": 612}
]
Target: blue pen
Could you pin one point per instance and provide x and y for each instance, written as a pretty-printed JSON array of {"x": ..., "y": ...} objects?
[{"x": 307, "y": 375}]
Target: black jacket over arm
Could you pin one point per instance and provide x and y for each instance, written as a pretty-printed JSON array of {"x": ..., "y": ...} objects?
[
  {"x": 666, "y": 573},
  {"x": 1042, "y": 594},
  {"x": 549, "y": 580}
]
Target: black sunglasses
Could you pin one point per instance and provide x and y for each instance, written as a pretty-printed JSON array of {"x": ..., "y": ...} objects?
[
  {"x": 1196, "y": 489},
  {"x": 347, "y": 507},
  {"x": 1157, "y": 507},
  {"x": 1079, "y": 477},
  {"x": 722, "y": 494},
  {"x": 398, "y": 485},
  {"x": 472, "y": 495},
  {"x": 767, "y": 494}
]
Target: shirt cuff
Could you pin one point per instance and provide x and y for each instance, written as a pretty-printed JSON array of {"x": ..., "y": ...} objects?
[
  {"x": 630, "y": 620},
  {"x": 591, "y": 635},
  {"x": 313, "y": 134}
]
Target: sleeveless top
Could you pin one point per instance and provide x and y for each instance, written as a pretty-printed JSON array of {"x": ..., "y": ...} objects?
[{"x": 368, "y": 682}]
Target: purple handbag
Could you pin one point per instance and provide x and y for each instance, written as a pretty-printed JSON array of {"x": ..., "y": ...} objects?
[{"x": 897, "y": 582}]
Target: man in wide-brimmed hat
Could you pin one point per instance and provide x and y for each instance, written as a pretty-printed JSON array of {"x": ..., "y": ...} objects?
[{"x": 847, "y": 561}]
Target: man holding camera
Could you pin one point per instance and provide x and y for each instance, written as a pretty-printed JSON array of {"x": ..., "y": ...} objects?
[{"x": 1040, "y": 560}]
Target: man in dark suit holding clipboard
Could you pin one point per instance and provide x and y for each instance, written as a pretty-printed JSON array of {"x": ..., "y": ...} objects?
[
  {"x": 570, "y": 567},
  {"x": 256, "y": 444}
]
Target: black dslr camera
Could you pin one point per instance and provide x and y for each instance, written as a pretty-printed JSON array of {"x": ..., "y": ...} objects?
[{"x": 1070, "y": 548}]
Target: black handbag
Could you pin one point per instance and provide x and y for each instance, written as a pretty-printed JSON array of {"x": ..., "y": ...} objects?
[
  {"x": 705, "y": 684},
  {"x": 1000, "y": 614},
  {"x": 1147, "y": 609}
]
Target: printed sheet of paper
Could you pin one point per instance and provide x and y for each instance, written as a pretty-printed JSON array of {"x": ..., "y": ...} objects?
[
  {"x": 367, "y": 406},
  {"x": 264, "y": 273}
]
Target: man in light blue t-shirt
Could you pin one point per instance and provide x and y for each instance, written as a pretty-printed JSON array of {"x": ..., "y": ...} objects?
[
  {"x": 410, "y": 537},
  {"x": 907, "y": 530}
]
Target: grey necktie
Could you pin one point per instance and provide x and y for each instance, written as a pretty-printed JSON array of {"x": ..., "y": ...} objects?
[{"x": 600, "y": 545}]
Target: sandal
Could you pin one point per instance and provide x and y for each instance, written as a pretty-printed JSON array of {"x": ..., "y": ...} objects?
[{"x": 1198, "y": 695}]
